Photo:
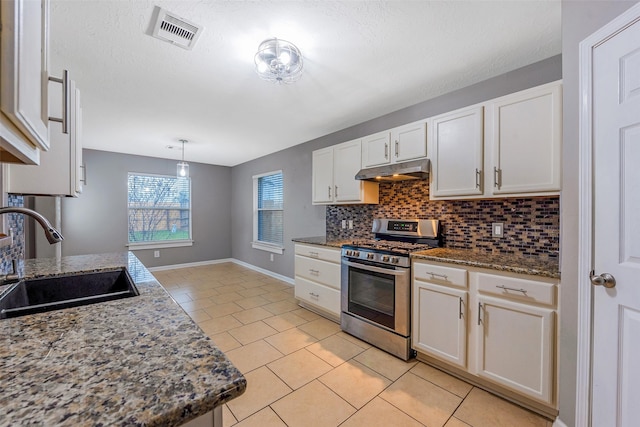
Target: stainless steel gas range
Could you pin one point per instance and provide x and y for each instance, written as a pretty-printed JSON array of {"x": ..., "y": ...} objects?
[{"x": 376, "y": 282}]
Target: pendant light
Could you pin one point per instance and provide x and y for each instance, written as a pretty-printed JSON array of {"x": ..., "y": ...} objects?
[{"x": 183, "y": 167}]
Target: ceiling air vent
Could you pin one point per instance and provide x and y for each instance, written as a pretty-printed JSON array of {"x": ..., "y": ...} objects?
[{"x": 175, "y": 30}]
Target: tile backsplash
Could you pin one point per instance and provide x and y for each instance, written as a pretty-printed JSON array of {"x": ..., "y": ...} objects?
[
  {"x": 531, "y": 225},
  {"x": 15, "y": 222}
]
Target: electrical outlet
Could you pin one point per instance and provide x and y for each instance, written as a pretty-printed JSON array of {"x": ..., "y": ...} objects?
[
  {"x": 271, "y": 257},
  {"x": 497, "y": 229},
  {"x": 344, "y": 223},
  {"x": 156, "y": 254},
  {"x": 350, "y": 224}
]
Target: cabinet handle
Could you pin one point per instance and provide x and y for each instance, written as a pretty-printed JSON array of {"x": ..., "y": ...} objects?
[
  {"x": 329, "y": 187},
  {"x": 83, "y": 180},
  {"x": 524, "y": 291},
  {"x": 335, "y": 193},
  {"x": 460, "y": 308},
  {"x": 313, "y": 272},
  {"x": 397, "y": 148},
  {"x": 497, "y": 177},
  {"x": 314, "y": 295},
  {"x": 434, "y": 275},
  {"x": 386, "y": 150},
  {"x": 479, "y": 313},
  {"x": 478, "y": 175},
  {"x": 313, "y": 254},
  {"x": 66, "y": 101}
]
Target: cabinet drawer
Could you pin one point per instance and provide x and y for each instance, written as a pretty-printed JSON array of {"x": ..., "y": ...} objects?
[
  {"x": 319, "y": 252},
  {"x": 320, "y": 271},
  {"x": 319, "y": 295},
  {"x": 440, "y": 274},
  {"x": 518, "y": 289}
]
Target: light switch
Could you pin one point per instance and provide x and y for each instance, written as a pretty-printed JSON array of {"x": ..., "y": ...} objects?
[
  {"x": 497, "y": 229},
  {"x": 156, "y": 254},
  {"x": 350, "y": 224},
  {"x": 344, "y": 223}
]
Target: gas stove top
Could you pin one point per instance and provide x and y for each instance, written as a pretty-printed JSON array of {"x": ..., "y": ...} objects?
[
  {"x": 390, "y": 247},
  {"x": 395, "y": 240}
]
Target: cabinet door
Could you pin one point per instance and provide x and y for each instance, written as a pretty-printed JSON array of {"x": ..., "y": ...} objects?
[
  {"x": 526, "y": 137},
  {"x": 439, "y": 322},
  {"x": 376, "y": 150},
  {"x": 456, "y": 154},
  {"x": 23, "y": 67},
  {"x": 346, "y": 164},
  {"x": 322, "y": 175},
  {"x": 58, "y": 173},
  {"x": 409, "y": 141},
  {"x": 515, "y": 346}
]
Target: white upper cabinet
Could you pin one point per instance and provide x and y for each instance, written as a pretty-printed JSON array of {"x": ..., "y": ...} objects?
[
  {"x": 399, "y": 144},
  {"x": 60, "y": 172},
  {"x": 513, "y": 151},
  {"x": 376, "y": 149},
  {"x": 333, "y": 176},
  {"x": 409, "y": 141},
  {"x": 526, "y": 133},
  {"x": 322, "y": 171},
  {"x": 456, "y": 148},
  {"x": 23, "y": 80}
]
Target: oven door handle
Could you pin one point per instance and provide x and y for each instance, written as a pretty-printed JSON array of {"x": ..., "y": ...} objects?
[{"x": 394, "y": 272}]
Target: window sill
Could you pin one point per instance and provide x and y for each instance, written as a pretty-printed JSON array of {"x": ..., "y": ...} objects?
[
  {"x": 267, "y": 247},
  {"x": 159, "y": 245}
]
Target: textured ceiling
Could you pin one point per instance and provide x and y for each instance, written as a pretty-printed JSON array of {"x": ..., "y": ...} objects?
[{"x": 363, "y": 59}]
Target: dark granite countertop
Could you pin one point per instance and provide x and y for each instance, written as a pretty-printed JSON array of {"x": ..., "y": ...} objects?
[
  {"x": 468, "y": 257},
  {"x": 322, "y": 241},
  {"x": 136, "y": 361},
  {"x": 471, "y": 258}
]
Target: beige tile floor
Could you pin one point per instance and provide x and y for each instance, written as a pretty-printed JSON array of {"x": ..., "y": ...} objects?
[{"x": 302, "y": 370}]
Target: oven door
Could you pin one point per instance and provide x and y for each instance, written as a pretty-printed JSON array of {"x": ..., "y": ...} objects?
[{"x": 378, "y": 294}]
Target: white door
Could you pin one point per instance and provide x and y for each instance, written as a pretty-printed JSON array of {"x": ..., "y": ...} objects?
[{"x": 616, "y": 202}]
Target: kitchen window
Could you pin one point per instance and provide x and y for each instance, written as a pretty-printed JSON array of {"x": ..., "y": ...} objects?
[
  {"x": 268, "y": 212},
  {"x": 159, "y": 211}
]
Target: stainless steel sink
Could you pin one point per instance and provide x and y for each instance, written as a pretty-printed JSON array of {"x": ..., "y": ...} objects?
[{"x": 54, "y": 293}]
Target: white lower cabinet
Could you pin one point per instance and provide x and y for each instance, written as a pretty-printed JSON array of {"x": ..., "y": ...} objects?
[
  {"x": 441, "y": 322},
  {"x": 500, "y": 328},
  {"x": 515, "y": 346},
  {"x": 317, "y": 279}
]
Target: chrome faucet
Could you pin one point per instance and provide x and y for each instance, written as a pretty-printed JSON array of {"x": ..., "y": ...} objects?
[{"x": 53, "y": 235}]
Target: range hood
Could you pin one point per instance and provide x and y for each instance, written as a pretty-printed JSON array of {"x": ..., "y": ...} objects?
[{"x": 414, "y": 169}]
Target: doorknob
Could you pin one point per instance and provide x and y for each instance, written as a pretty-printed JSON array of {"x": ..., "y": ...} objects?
[{"x": 605, "y": 279}]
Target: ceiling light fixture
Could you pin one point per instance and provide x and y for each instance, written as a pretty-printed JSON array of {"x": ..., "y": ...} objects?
[
  {"x": 278, "y": 61},
  {"x": 183, "y": 167}
]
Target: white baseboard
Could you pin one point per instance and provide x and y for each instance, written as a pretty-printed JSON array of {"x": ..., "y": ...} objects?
[
  {"x": 558, "y": 423},
  {"x": 263, "y": 271},
  {"x": 189, "y": 264},
  {"x": 220, "y": 261}
]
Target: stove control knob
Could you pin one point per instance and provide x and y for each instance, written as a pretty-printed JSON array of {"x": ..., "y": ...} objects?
[
  {"x": 347, "y": 252},
  {"x": 395, "y": 260},
  {"x": 385, "y": 258},
  {"x": 356, "y": 254},
  {"x": 370, "y": 255}
]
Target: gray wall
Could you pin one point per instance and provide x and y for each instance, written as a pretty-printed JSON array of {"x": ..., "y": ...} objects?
[
  {"x": 579, "y": 20},
  {"x": 96, "y": 222},
  {"x": 303, "y": 219}
]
